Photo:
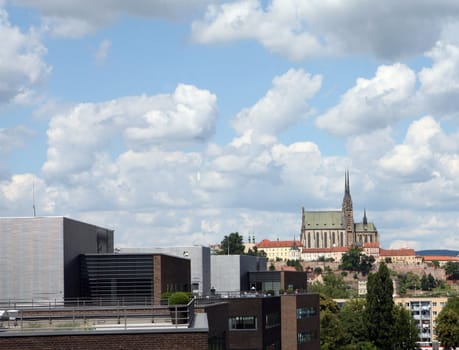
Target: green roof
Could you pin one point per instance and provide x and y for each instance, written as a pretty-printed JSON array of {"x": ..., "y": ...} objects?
[
  {"x": 360, "y": 227},
  {"x": 323, "y": 219}
]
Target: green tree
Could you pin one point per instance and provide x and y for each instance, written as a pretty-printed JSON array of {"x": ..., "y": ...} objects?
[
  {"x": 255, "y": 252},
  {"x": 318, "y": 270},
  {"x": 428, "y": 282},
  {"x": 232, "y": 244},
  {"x": 448, "y": 324},
  {"x": 448, "y": 328},
  {"x": 452, "y": 270},
  {"x": 355, "y": 260},
  {"x": 331, "y": 331},
  {"x": 407, "y": 281},
  {"x": 405, "y": 334},
  {"x": 353, "y": 322},
  {"x": 333, "y": 286},
  {"x": 379, "y": 308},
  {"x": 350, "y": 260}
]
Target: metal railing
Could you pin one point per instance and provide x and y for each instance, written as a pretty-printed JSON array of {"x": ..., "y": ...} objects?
[{"x": 84, "y": 316}]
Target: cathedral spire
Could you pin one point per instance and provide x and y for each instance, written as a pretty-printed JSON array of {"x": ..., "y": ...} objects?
[
  {"x": 347, "y": 189},
  {"x": 365, "y": 221},
  {"x": 347, "y": 200}
]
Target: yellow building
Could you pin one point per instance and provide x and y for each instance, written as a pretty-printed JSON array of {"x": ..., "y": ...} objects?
[
  {"x": 425, "y": 312},
  {"x": 283, "y": 250}
]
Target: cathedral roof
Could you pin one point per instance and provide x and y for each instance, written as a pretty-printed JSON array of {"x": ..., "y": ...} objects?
[
  {"x": 323, "y": 220},
  {"x": 361, "y": 227}
]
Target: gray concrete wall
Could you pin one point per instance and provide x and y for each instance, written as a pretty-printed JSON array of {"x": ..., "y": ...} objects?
[
  {"x": 31, "y": 258},
  {"x": 39, "y": 256}
]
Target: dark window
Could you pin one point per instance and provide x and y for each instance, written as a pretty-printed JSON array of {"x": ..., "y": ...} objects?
[
  {"x": 243, "y": 322},
  {"x": 305, "y": 312},
  {"x": 307, "y": 336},
  {"x": 272, "y": 320}
]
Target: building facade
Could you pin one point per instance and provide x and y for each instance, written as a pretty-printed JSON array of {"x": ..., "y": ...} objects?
[
  {"x": 132, "y": 278},
  {"x": 229, "y": 272},
  {"x": 199, "y": 257},
  {"x": 424, "y": 311},
  {"x": 39, "y": 256},
  {"x": 281, "y": 250},
  {"x": 327, "y": 229},
  {"x": 272, "y": 323},
  {"x": 278, "y": 281}
]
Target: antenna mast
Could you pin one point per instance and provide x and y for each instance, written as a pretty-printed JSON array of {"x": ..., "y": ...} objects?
[{"x": 33, "y": 199}]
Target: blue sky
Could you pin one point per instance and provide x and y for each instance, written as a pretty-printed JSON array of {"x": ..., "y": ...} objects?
[{"x": 178, "y": 122}]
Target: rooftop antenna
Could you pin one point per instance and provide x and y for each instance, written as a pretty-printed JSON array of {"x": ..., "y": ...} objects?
[{"x": 33, "y": 199}]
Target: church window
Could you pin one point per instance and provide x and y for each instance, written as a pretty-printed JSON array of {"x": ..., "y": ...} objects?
[
  {"x": 309, "y": 240},
  {"x": 325, "y": 241},
  {"x": 333, "y": 235},
  {"x": 341, "y": 240}
]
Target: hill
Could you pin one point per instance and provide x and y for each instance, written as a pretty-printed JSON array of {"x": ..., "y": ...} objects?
[{"x": 438, "y": 252}]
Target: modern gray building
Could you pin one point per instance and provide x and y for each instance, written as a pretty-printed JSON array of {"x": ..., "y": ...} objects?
[
  {"x": 39, "y": 256},
  {"x": 229, "y": 273},
  {"x": 200, "y": 263}
]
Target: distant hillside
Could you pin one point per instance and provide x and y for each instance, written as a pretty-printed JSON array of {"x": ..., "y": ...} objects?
[{"x": 441, "y": 252}]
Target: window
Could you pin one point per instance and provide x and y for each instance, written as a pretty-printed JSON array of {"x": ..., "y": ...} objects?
[
  {"x": 272, "y": 320},
  {"x": 307, "y": 336},
  {"x": 434, "y": 303},
  {"x": 243, "y": 322},
  {"x": 305, "y": 312}
]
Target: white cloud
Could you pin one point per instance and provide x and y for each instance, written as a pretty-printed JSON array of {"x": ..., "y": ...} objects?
[
  {"x": 21, "y": 62},
  {"x": 414, "y": 157},
  {"x": 282, "y": 106},
  {"x": 13, "y": 138},
  {"x": 439, "y": 89},
  {"x": 76, "y": 18},
  {"x": 79, "y": 136},
  {"x": 102, "y": 51},
  {"x": 372, "y": 103},
  {"x": 300, "y": 29}
]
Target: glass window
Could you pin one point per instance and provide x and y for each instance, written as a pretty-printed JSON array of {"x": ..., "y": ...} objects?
[
  {"x": 242, "y": 322},
  {"x": 307, "y": 336},
  {"x": 272, "y": 320},
  {"x": 305, "y": 312}
]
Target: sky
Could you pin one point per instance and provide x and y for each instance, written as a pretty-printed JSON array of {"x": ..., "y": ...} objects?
[{"x": 177, "y": 122}]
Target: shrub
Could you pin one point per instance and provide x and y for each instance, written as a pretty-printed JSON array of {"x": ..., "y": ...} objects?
[{"x": 179, "y": 298}]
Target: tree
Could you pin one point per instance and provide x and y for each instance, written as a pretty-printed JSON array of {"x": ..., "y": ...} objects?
[
  {"x": 350, "y": 260},
  {"x": 232, "y": 244},
  {"x": 448, "y": 328},
  {"x": 333, "y": 286},
  {"x": 355, "y": 260},
  {"x": 428, "y": 282},
  {"x": 255, "y": 252},
  {"x": 353, "y": 322},
  {"x": 452, "y": 270},
  {"x": 331, "y": 331},
  {"x": 409, "y": 280},
  {"x": 405, "y": 334},
  {"x": 379, "y": 309}
]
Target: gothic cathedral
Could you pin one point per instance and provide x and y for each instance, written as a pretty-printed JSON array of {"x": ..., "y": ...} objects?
[{"x": 328, "y": 229}]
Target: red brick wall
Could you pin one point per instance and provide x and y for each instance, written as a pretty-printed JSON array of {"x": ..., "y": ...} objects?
[{"x": 137, "y": 341}]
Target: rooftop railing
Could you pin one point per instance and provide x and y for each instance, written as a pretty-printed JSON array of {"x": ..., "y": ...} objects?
[{"x": 78, "y": 315}]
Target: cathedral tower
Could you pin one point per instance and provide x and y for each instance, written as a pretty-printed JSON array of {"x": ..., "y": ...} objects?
[{"x": 348, "y": 212}]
